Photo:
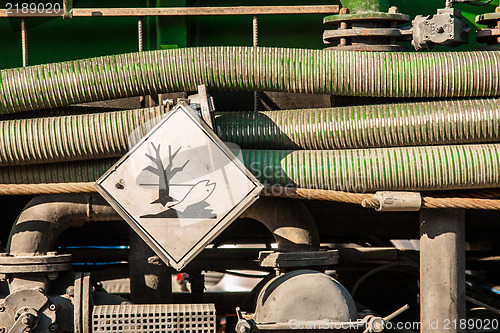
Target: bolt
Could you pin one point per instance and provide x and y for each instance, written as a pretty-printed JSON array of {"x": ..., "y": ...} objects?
[
  {"x": 393, "y": 10},
  {"x": 3, "y": 277},
  {"x": 2, "y": 308},
  {"x": 344, "y": 11},
  {"x": 2, "y": 329},
  {"x": 440, "y": 30},
  {"x": 53, "y": 327},
  {"x": 70, "y": 291},
  {"x": 119, "y": 186},
  {"x": 52, "y": 307}
]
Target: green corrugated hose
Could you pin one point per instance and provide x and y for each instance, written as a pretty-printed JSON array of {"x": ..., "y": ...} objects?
[
  {"x": 111, "y": 134},
  {"x": 411, "y": 168},
  {"x": 380, "y": 74},
  {"x": 74, "y": 137},
  {"x": 368, "y": 126}
]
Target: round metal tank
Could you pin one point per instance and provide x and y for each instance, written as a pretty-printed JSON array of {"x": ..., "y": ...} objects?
[{"x": 304, "y": 296}]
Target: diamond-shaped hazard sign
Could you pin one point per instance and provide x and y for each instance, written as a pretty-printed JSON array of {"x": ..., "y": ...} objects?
[{"x": 179, "y": 187}]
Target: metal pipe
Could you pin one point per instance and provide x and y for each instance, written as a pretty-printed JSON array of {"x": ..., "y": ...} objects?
[
  {"x": 291, "y": 223},
  {"x": 45, "y": 217},
  {"x": 150, "y": 278},
  {"x": 41, "y": 223},
  {"x": 378, "y": 74},
  {"x": 442, "y": 270}
]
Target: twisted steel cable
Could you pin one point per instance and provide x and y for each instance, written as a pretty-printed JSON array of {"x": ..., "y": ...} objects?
[
  {"x": 465, "y": 200},
  {"x": 378, "y": 74}
]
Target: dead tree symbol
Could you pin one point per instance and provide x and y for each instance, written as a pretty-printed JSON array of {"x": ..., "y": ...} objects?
[{"x": 164, "y": 174}]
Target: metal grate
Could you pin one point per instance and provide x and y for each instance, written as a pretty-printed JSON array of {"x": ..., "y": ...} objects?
[{"x": 154, "y": 318}]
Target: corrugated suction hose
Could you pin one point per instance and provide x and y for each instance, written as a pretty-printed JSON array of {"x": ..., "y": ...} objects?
[
  {"x": 409, "y": 168},
  {"x": 110, "y": 134},
  {"x": 366, "y": 126},
  {"x": 379, "y": 74}
]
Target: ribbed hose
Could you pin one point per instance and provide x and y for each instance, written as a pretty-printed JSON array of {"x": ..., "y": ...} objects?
[
  {"x": 385, "y": 125},
  {"x": 360, "y": 170},
  {"x": 110, "y": 134},
  {"x": 412, "y": 168},
  {"x": 380, "y": 74},
  {"x": 75, "y": 137}
]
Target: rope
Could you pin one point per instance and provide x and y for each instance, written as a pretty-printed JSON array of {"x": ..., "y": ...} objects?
[
  {"x": 481, "y": 199},
  {"x": 53, "y": 188}
]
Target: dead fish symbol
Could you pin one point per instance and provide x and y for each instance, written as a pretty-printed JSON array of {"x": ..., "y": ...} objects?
[{"x": 199, "y": 192}]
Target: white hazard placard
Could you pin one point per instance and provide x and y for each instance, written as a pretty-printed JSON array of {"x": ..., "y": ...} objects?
[{"x": 179, "y": 186}]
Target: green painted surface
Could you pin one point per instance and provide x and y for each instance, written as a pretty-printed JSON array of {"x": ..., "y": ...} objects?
[
  {"x": 366, "y": 5},
  {"x": 55, "y": 39}
]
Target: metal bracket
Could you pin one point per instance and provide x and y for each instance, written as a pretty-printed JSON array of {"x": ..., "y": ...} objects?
[
  {"x": 298, "y": 259},
  {"x": 398, "y": 201}
]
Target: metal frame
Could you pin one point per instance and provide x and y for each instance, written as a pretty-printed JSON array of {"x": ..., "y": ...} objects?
[{"x": 183, "y": 11}]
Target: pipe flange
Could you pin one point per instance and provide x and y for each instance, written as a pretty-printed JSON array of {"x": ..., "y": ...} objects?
[
  {"x": 367, "y": 31},
  {"x": 48, "y": 263},
  {"x": 298, "y": 259},
  {"x": 491, "y": 35}
]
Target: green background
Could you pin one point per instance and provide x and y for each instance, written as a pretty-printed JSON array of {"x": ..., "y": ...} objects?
[{"x": 55, "y": 39}]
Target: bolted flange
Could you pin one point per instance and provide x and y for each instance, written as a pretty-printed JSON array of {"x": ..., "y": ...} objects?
[
  {"x": 491, "y": 35},
  {"x": 366, "y": 31}
]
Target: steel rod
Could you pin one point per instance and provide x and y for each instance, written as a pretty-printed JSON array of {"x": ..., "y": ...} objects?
[
  {"x": 24, "y": 42},
  {"x": 181, "y": 11}
]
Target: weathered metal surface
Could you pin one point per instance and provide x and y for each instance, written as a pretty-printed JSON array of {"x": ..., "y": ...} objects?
[
  {"x": 398, "y": 201},
  {"x": 442, "y": 270},
  {"x": 304, "y": 296},
  {"x": 447, "y": 27},
  {"x": 491, "y": 35},
  {"x": 181, "y": 11},
  {"x": 154, "y": 318},
  {"x": 298, "y": 259}
]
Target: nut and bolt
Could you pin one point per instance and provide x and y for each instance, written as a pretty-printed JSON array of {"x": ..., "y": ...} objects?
[
  {"x": 52, "y": 307},
  {"x": 2, "y": 329},
  {"x": 3, "y": 277},
  {"x": 343, "y": 25},
  {"x": 2, "y": 308},
  {"x": 25, "y": 320},
  {"x": 393, "y": 10},
  {"x": 53, "y": 327}
]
